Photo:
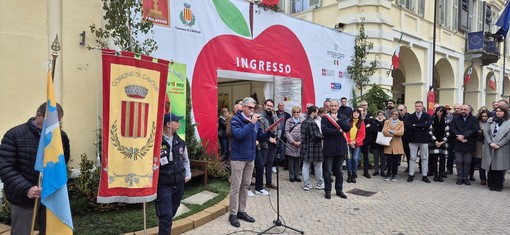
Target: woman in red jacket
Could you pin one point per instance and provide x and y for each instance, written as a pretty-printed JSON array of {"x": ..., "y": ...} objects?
[{"x": 354, "y": 140}]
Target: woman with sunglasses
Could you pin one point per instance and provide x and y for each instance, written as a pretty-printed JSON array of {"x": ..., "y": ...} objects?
[
  {"x": 395, "y": 128},
  {"x": 293, "y": 135}
]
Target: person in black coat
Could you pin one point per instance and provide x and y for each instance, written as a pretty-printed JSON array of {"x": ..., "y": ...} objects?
[
  {"x": 376, "y": 126},
  {"x": 344, "y": 109},
  {"x": 366, "y": 116},
  {"x": 464, "y": 129},
  {"x": 334, "y": 148},
  {"x": 18, "y": 152},
  {"x": 403, "y": 116},
  {"x": 418, "y": 126}
]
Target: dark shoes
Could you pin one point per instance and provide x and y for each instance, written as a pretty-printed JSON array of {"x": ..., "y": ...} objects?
[
  {"x": 245, "y": 217},
  {"x": 367, "y": 175},
  {"x": 376, "y": 173},
  {"x": 341, "y": 194},
  {"x": 234, "y": 221},
  {"x": 383, "y": 174},
  {"x": 410, "y": 179},
  {"x": 425, "y": 179},
  {"x": 483, "y": 182},
  {"x": 327, "y": 195},
  {"x": 466, "y": 182},
  {"x": 459, "y": 182},
  {"x": 292, "y": 180},
  {"x": 472, "y": 178},
  {"x": 271, "y": 186},
  {"x": 298, "y": 180},
  {"x": 449, "y": 172},
  {"x": 496, "y": 189}
]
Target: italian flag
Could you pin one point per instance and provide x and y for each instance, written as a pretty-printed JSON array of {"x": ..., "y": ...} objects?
[
  {"x": 395, "y": 60},
  {"x": 492, "y": 82},
  {"x": 468, "y": 74}
]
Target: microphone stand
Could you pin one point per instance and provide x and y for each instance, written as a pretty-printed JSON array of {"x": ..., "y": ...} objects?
[{"x": 277, "y": 222}]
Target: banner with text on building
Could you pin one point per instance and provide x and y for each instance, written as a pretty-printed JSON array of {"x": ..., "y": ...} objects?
[
  {"x": 176, "y": 91},
  {"x": 133, "y": 108},
  {"x": 240, "y": 37}
]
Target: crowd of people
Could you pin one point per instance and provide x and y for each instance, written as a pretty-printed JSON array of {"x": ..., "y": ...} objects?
[{"x": 325, "y": 140}]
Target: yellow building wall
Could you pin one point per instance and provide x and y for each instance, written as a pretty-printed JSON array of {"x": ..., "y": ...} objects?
[{"x": 24, "y": 46}]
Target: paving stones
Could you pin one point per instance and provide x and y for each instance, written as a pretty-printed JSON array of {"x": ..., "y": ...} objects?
[
  {"x": 200, "y": 198},
  {"x": 397, "y": 208}
]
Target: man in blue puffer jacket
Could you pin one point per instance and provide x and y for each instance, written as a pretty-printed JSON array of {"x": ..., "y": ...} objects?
[{"x": 245, "y": 133}]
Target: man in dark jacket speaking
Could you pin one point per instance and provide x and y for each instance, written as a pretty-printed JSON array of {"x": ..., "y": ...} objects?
[
  {"x": 18, "y": 152},
  {"x": 245, "y": 132}
]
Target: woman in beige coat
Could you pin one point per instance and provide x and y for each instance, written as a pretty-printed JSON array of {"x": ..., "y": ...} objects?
[{"x": 393, "y": 127}]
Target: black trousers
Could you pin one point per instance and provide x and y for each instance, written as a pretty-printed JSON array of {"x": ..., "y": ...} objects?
[
  {"x": 451, "y": 156},
  {"x": 495, "y": 179},
  {"x": 365, "y": 151},
  {"x": 433, "y": 167},
  {"x": 407, "y": 151},
  {"x": 392, "y": 161}
]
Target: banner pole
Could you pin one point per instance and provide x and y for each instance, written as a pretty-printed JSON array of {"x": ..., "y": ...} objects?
[
  {"x": 36, "y": 208},
  {"x": 55, "y": 46},
  {"x": 145, "y": 218}
]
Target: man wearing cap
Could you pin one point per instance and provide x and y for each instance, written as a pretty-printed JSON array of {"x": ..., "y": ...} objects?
[
  {"x": 174, "y": 171},
  {"x": 245, "y": 132}
]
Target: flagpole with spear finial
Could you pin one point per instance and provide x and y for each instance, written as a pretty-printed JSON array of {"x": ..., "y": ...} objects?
[{"x": 55, "y": 47}]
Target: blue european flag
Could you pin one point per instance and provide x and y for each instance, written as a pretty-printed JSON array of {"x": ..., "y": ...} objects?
[{"x": 503, "y": 21}]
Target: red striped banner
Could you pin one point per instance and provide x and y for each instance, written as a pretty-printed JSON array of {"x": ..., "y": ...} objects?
[{"x": 134, "y": 118}]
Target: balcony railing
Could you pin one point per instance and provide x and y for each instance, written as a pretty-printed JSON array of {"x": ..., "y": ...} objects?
[{"x": 482, "y": 46}]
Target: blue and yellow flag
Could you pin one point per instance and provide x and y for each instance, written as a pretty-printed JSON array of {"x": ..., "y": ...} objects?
[{"x": 51, "y": 162}]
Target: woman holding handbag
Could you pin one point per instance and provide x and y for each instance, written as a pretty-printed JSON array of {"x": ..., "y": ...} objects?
[
  {"x": 393, "y": 127},
  {"x": 354, "y": 140}
]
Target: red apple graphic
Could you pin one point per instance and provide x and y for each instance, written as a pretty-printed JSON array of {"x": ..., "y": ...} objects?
[{"x": 276, "y": 51}]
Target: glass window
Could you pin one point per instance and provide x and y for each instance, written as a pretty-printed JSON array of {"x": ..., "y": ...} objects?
[{"x": 299, "y": 5}]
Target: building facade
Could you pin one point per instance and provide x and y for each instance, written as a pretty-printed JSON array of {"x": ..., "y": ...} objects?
[
  {"x": 458, "y": 45},
  {"x": 28, "y": 30}
]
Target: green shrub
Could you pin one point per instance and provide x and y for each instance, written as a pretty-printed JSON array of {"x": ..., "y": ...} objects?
[{"x": 83, "y": 190}]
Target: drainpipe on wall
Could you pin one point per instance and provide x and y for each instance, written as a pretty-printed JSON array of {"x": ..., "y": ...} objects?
[{"x": 54, "y": 28}]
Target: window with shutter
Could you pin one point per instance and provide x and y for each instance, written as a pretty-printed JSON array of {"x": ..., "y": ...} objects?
[
  {"x": 455, "y": 15},
  {"x": 479, "y": 19},
  {"x": 281, "y": 6},
  {"x": 314, "y": 4},
  {"x": 443, "y": 13},
  {"x": 464, "y": 16},
  {"x": 488, "y": 17},
  {"x": 421, "y": 8}
]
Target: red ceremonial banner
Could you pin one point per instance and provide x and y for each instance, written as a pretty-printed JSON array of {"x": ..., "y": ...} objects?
[{"x": 133, "y": 108}]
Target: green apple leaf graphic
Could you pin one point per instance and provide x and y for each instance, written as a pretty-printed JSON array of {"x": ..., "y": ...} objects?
[{"x": 232, "y": 17}]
